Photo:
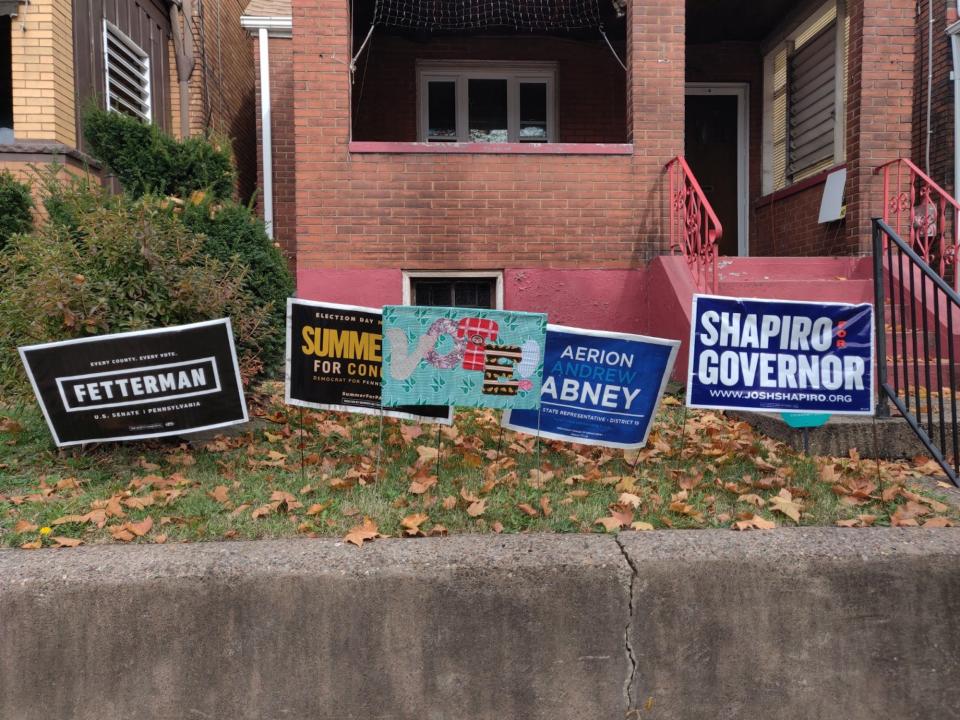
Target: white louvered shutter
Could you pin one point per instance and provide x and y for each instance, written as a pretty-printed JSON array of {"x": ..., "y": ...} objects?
[{"x": 127, "y": 74}]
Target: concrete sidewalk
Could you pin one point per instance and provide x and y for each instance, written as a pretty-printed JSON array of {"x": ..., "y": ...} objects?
[{"x": 811, "y": 623}]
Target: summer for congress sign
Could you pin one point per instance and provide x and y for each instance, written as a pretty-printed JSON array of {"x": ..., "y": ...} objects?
[
  {"x": 136, "y": 385},
  {"x": 599, "y": 388},
  {"x": 334, "y": 361},
  {"x": 781, "y": 355}
]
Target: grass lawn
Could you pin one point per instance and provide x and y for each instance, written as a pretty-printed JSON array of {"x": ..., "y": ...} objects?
[{"x": 250, "y": 484}]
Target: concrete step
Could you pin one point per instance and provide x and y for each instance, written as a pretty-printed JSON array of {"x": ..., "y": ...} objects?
[
  {"x": 794, "y": 268},
  {"x": 810, "y": 289}
]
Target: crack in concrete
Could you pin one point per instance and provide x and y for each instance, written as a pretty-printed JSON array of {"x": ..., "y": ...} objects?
[{"x": 632, "y": 674}]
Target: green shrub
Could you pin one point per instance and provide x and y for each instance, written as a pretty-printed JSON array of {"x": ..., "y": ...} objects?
[
  {"x": 67, "y": 198},
  {"x": 121, "y": 265},
  {"x": 234, "y": 231},
  {"x": 16, "y": 207},
  {"x": 145, "y": 160}
]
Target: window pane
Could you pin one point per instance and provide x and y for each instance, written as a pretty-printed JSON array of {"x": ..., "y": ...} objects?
[
  {"x": 488, "y": 111},
  {"x": 533, "y": 112},
  {"x": 473, "y": 293},
  {"x": 442, "y": 118},
  {"x": 433, "y": 293},
  {"x": 454, "y": 292}
]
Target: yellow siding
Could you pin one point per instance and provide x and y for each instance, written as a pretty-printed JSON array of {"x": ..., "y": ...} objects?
[{"x": 43, "y": 80}]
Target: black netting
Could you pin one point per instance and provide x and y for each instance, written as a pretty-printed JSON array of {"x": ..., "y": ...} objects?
[{"x": 487, "y": 14}]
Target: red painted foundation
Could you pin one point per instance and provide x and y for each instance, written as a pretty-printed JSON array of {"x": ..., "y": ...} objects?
[
  {"x": 655, "y": 300},
  {"x": 600, "y": 299}
]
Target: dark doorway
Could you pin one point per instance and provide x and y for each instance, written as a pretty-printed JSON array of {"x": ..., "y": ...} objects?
[{"x": 712, "y": 151}]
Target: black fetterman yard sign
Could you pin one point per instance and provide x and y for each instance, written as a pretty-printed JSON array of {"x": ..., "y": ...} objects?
[{"x": 137, "y": 385}]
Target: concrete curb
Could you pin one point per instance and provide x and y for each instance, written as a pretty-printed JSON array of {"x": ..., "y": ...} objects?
[{"x": 817, "y": 623}]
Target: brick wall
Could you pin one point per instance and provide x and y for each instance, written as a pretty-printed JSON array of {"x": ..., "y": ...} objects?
[
  {"x": 878, "y": 129},
  {"x": 459, "y": 211},
  {"x": 222, "y": 86},
  {"x": 42, "y": 63},
  {"x": 879, "y": 109},
  {"x": 785, "y": 223},
  {"x": 591, "y": 86},
  {"x": 229, "y": 78},
  {"x": 284, "y": 150},
  {"x": 941, "y": 120}
]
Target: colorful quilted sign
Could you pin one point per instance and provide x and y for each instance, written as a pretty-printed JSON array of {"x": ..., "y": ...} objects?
[{"x": 458, "y": 356}]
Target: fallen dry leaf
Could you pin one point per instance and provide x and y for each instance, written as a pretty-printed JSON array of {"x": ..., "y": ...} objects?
[
  {"x": 753, "y": 499},
  {"x": 361, "y": 533},
  {"x": 418, "y": 487},
  {"x": 528, "y": 509},
  {"x": 610, "y": 524},
  {"x": 477, "y": 508},
  {"x": 784, "y": 503},
  {"x": 66, "y": 541},
  {"x": 426, "y": 454},
  {"x": 318, "y": 508},
  {"x": 411, "y": 524},
  {"x": 140, "y": 528},
  {"x": 25, "y": 526},
  {"x": 753, "y": 522},
  {"x": 219, "y": 493},
  {"x": 628, "y": 499},
  {"x": 640, "y": 525},
  {"x": 410, "y": 432}
]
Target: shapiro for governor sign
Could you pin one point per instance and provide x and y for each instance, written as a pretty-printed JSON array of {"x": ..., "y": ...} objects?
[
  {"x": 781, "y": 355},
  {"x": 136, "y": 385}
]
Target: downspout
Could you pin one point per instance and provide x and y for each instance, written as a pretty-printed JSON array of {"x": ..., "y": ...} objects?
[
  {"x": 186, "y": 62},
  {"x": 266, "y": 130},
  {"x": 955, "y": 49},
  {"x": 953, "y": 27}
]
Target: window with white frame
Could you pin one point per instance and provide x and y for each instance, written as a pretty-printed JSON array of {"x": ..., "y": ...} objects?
[
  {"x": 805, "y": 98},
  {"x": 454, "y": 288},
  {"x": 127, "y": 69},
  {"x": 486, "y": 103}
]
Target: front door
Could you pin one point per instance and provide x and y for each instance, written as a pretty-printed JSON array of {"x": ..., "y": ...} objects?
[{"x": 713, "y": 149}]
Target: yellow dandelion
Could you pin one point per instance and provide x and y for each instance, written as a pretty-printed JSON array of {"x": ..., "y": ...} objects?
[{"x": 45, "y": 531}]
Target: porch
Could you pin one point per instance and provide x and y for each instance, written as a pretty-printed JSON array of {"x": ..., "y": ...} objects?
[{"x": 529, "y": 141}]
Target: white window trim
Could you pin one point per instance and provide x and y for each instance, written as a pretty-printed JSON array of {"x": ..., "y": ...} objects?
[
  {"x": 786, "y": 40},
  {"x": 410, "y": 275},
  {"x": 110, "y": 29},
  {"x": 462, "y": 72}
]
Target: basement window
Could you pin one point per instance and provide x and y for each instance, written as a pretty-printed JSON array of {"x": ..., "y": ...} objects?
[
  {"x": 454, "y": 289},
  {"x": 127, "y": 69},
  {"x": 486, "y": 103},
  {"x": 805, "y": 99}
]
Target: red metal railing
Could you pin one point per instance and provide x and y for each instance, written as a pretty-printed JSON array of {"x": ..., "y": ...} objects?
[
  {"x": 694, "y": 228},
  {"x": 918, "y": 209}
]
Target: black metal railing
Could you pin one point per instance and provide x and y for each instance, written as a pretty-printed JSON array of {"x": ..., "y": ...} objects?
[{"x": 918, "y": 343}]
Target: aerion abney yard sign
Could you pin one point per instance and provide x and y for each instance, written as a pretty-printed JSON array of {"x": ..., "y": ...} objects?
[{"x": 136, "y": 385}]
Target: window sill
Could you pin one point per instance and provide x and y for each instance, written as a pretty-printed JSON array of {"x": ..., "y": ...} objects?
[
  {"x": 798, "y": 187},
  {"x": 366, "y": 146}
]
